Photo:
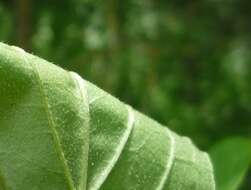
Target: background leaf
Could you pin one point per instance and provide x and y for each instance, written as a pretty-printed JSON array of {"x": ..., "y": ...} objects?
[{"x": 231, "y": 159}]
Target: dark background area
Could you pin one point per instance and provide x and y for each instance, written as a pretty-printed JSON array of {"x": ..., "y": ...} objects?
[{"x": 186, "y": 64}]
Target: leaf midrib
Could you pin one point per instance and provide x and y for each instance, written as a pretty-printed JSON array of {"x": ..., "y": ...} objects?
[{"x": 51, "y": 123}]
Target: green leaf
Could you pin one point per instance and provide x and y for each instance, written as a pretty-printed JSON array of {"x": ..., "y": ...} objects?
[
  {"x": 231, "y": 158},
  {"x": 60, "y": 132}
]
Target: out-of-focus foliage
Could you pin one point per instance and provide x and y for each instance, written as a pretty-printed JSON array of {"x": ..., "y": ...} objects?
[
  {"x": 185, "y": 63},
  {"x": 231, "y": 158}
]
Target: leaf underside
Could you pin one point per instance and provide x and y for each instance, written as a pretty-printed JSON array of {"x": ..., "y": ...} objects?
[{"x": 60, "y": 132}]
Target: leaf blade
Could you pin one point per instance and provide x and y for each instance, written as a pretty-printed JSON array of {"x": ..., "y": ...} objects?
[
  {"x": 137, "y": 169},
  {"x": 52, "y": 159},
  {"x": 126, "y": 150}
]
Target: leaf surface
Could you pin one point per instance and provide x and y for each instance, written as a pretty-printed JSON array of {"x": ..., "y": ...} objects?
[{"x": 60, "y": 132}]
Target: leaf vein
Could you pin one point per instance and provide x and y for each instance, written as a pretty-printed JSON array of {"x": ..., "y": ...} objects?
[
  {"x": 170, "y": 162},
  {"x": 51, "y": 122},
  {"x": 83, "y": 93},
  {"x": 118, "y": 151}
]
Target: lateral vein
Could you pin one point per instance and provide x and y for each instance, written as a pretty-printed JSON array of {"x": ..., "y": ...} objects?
[
  {"x": 170, "y": 162},
  {"x": 84, "y": 96},
  {"x": 118, "y": 151}
]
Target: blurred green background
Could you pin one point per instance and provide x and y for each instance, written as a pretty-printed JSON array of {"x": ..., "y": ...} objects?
[{"x": 186, "y": 64}]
